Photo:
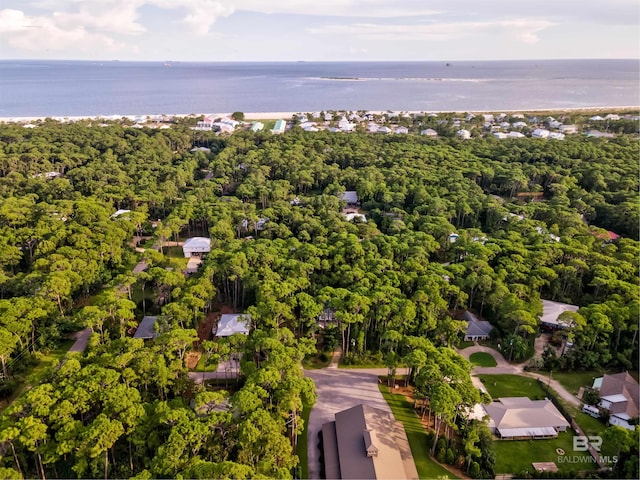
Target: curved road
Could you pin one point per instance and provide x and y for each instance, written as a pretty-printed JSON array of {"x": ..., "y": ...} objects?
[{"x": 504, "y": 367}]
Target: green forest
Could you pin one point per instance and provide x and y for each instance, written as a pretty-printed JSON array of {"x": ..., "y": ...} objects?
[{"x": 531, "y": 217}]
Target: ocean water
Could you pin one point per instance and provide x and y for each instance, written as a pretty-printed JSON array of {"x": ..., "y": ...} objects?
[{"x": 75, "y": 88}]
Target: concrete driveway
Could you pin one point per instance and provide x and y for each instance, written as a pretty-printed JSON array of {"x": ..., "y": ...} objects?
[{"x": 339, "y": 389}]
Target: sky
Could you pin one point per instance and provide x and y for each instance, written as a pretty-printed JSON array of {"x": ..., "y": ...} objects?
[{"x": 318, "y": 30}]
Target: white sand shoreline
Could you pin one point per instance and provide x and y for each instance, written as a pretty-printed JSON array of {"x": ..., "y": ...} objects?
[{"x": 289, "y": 115}]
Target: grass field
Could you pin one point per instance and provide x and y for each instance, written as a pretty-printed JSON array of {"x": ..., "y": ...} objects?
[
  {"x": 515, "y": 456},
  {"x": 416, "y": 434},
  {"x": 512, "y": 386},
  {"x": 302, "y": 447},
  {"x": 482, "y": 359}
]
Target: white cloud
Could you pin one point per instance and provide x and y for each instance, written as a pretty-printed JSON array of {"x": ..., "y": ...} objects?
[
  {"x": 38, "y": 33},
  {"x": 524, "y": 29}
]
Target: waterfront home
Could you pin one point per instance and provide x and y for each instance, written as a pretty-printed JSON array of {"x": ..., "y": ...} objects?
[
  {"x": 279, "y": 127},
  {"x": 463, "y": 134}
]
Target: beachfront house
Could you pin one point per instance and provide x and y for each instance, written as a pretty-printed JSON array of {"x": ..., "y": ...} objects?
[
  {"x": 279, "y": 127},
  {"x": 463, "y": 134}
]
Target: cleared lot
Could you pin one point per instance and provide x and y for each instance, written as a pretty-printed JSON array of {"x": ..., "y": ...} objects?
[{"x": 338, "y": 390}]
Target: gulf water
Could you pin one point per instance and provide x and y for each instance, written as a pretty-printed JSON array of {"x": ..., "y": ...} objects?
[{"x": 78, "y": 88}]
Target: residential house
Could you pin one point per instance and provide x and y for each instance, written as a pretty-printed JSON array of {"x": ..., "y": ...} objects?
[
  {"x": 522, "y": 418},
  {"x": 519, "y": 124},
  {"x": 476, "y": 329},
  {"x": 619, "y": 396},
  {"x": 351, "y": 197},
  {"x": 515, "y": 135},
  {"x": 351, "y": 216},
  {"x": 366, "y": 442},
  {"x": 257, "y": 126},
  {"x": 556, "y": 136},
  {"x": 118, "y": 213},
  {"x": 231, "y": 324},
  {"x": 550, "y": 313},
  {"x": 196, "y": 246},
  {"x": 146, "y": 328},
  {"x": 540, "y": 133},
  {"x": 384, "y": 130},
  {"x": 429, "y": 132},
  {"x": 568, "y": 129},
  {"x": 463, "y": 134},
  {"x": 402, "y": 130},
  {"x": 279, "y": 127}
]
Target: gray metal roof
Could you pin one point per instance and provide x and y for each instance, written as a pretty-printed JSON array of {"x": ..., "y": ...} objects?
[{"x": 145, "y": 329}]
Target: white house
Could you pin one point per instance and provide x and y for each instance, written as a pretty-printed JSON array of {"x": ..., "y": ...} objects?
[
  {"x": 515, "y": 135},
  {"x": 612, "y": 116},
  {"x": 402, "y": 130},
  {"x": 519, "y": 124},
  {"x": 556, "y": 136},
  {"x": 279, "y": 127},
  {"x": 429, "y": 132},
  {"x": 552, "y": 310},
  {"x": 257, "y": 126},
  {"x": 196, "y": 246},
  {"x": 540, "y": 133},
  {"x": 384, "y": 130},
  {"x": 464, "y": 134},
  {"x": 119, "y": 213},
  {"x": 230, "y": 324},
  {"x": 359, "y": 216},
  {"x": 500, "y": 135}
]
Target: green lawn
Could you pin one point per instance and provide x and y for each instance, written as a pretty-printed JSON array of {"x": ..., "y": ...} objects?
[
  {"x": 515, "y": 456},
  {"x": 416, "y": 434},
  {"x": 572, "y": 381},
  {"x": 302, "y": 447},
  {"x": 465, "y": 344},
  {"x": 482, "y": 359},
  {"x": 500, "y": 386}
]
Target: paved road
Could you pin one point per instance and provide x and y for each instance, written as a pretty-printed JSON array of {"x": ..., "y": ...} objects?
[
  {"x": 82, "y": 339},
  {"x": 339, "y": 389}
]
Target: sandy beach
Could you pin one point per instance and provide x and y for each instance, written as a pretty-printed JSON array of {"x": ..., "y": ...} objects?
[{"x": 288, "y": 115}]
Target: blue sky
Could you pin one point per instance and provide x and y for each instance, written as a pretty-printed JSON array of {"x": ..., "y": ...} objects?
[{"x": 318, "y": 30}]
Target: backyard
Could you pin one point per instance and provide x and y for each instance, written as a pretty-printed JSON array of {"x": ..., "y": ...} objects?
[{"x": 515, "y": 456}]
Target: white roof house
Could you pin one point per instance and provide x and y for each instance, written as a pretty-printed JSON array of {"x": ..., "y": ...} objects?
[
  {"x": 119, "y": 212},
  {"x": 196, "y": 246},
  {"x": 402, "y": 130},
  {"x": 515, "y": 135},
  {"x": 521, "y": 417},
  {"x": 540, "y": 133},
  {"x": 232, "y": 323},
  {"x": 430, "y": 132},
  {"x": 359, "y": 216},
  {"x": 552, "y": 310},
  {"x": 464, "y": 134}
]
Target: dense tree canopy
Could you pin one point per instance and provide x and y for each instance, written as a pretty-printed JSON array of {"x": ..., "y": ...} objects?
[{"x": 531, "y": 218}]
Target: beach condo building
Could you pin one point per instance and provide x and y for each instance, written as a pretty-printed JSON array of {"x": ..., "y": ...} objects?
[{"x": 279, "y": 126}]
